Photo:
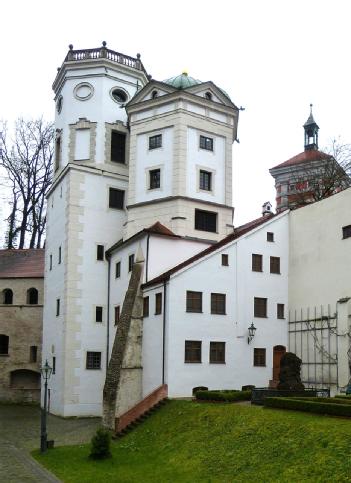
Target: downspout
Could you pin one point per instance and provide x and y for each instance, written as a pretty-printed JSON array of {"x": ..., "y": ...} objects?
[
  {"x": 164, "y": 330},
  {"x": 108, "y": 311},
  {"x": 147, "y": 257}
]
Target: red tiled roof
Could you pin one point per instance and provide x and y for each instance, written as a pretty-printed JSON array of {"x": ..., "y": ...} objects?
[
  {"x": 238, "y": 232},
  {"x": 304, "y": 157},
  {"x": 22, "y": 263}
]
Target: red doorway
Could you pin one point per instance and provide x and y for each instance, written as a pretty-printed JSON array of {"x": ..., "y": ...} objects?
[{"x": 278, "y": 352}]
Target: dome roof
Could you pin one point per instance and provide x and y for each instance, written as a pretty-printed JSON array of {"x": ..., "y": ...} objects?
[{"x": 182, "y": 81}]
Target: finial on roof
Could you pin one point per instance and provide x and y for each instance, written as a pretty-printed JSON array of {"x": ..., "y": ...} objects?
[
  {"x": 138, "y": 56},
  {"x": 70, "y": 46},
  {"x": 104, "y": 43},
  {"x": 184, "y": 72}
]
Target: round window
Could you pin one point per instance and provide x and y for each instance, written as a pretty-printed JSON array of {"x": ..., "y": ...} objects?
[
  {"x": 83, "y": 91},
  {"x": 59, "y": 104},
  {"x": 119, "y": 96}
]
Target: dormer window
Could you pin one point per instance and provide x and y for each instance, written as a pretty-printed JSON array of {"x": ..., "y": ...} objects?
[
  {"x": 154, "y": 94},
  {"x": 208, "y": 96}
]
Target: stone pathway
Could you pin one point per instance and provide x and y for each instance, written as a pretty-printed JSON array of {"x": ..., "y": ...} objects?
[{"x": 20, "y": 433}]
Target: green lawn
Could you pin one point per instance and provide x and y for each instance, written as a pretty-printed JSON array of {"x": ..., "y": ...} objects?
[{"x": 204, "y": 442}]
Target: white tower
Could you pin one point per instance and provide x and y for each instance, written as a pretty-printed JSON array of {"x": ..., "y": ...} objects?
[{"x": 86, "y": 214}]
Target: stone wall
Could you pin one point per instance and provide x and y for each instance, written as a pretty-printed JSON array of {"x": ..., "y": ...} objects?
[{"x": 22, "y": 323}]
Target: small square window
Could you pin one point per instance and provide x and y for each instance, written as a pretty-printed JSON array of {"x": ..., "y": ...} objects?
[
  {"x": 270, "y": 236},
  {"x": 100, "y": 252},
  {"x": 193, "y": 301},
  {"x": 257, "y": 262},
  {"x": 130, "y": 262},
  {"x": 192, "y": 351},
  {"x": 259, "y": 357},
  {"x": 57, "y": 307},
  {"x": 280, "y": 311},
  {"x": 346, "y": 231},
  {"x": 260, "y": 307},
  {"x": 158, "y": 304},
  {"x": 218, "y": 303},
  {"x": 217, "y": 352},
  {"x": 205, "y": 221},
  {"x": 225, "y": 260},
  {"x": 98, "y": 314},
  {"x": 155, "y": 141},
  {"x": 93, "y": 360},
  {"x": 146, "y": 307},
  {"x": 206, "y": 143},
  {"x": 116, "y": 198},
  {"x": 275, "y": 265},
  {"x": 118, "y": 269},
  {"x": 117, "y": 314},
  {"x": 205, "y": 180},
  {"x": 155, "y": 179}
]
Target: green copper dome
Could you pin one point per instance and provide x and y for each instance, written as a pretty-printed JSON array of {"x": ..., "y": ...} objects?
[{"x": 182, "y": 81}]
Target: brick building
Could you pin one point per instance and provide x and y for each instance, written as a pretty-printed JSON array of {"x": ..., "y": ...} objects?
[{"x": 21, "y": 320}]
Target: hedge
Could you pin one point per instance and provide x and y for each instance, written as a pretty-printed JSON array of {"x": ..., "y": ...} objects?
[
  {"x": 308, "y": 406},
  {"x": 343, "y": 396},
  {"x": 226, "y": 396},
  {"x": 325, "y": 400}
]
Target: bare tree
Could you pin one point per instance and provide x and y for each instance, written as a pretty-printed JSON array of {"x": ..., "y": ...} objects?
[
  {"x": 27, "y": 161},
  {"x": 314, "y": 180}
]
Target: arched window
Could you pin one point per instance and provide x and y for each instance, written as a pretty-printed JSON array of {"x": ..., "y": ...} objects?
[
  {"x": 4, "y": 344},
  {"x": 154, "y": 94},
  {"x": 7, "y": 296},
  {"x": 32, "y": 296},
  {"x": 208, "y": 96}
]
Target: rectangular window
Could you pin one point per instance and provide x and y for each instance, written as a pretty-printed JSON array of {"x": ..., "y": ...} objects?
[
  {"x": 116, "y": 198},
  {"x": 217, "y": 352},
  {"x": 225, "y": 260},
  {"x": 100, "y": 252},
  {"x": 82, "y": 145},
  {"x": 257, "y": 263},
  {"x": 270, "y": 236},
  {"x": 50, "y": 262},
  {"x": 130, "y": 262},
  {"x": 93, "y": 360},
  {"x": 193, "y": 301},
  {"x": 158, "y": 304},
  {"x": 259, "y": 357},
  {"x": 118, "y": 147},
  {"x": 59, "y": 255},
  {"x": 117, "y": 314},
  {"x": 206, "y": 143},
  {"x": 33, "y": 351},
  {"x": 346, "y": 231},
  {"x": 260, "y": 307},
  {"x": 146, "y": 307},
  {"x": 205, "y": 220},
  {"x": 57, "y": 307},
  {"x": 280, "y": 311},
  {"x": 155, "y": 179},
  {"x": 54, "y": 365},
  {"x": 98, "y": 314},
  {"x": 118, "y": 269},
  {"x": 192, "y": 351},
  {"x": 275, "y": 265},
  {"x": 57, "y": 153},
  {"x": 218, "y": 303},
  {"x": 155, "y": 141},
  {"x": 205, "y": 180}
]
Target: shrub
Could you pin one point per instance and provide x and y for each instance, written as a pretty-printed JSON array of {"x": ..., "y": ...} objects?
[
  {"x": 225, "y": 396},
  {"x": 343, "y": 396},
  {"x": 199, "y": 388},
  {"x": 100, "y": 444},
  {"x": 309, "y": 406},
  {"x": 325, "y": 400}
]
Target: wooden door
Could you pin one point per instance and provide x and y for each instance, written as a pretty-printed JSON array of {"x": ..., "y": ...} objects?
[{"x": 278, "y": 352}]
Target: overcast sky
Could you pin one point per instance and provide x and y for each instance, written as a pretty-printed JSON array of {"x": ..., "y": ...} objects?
[{"x": 272, "y": 57}]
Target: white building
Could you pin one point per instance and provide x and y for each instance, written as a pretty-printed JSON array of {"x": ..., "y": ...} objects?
[{"x": 146, "y": 166}]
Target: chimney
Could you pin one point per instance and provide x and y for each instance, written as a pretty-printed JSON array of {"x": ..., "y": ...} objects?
[{"x": 267, "y": 209}]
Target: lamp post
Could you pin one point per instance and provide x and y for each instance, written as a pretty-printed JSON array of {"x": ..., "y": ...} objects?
[
  {"x": 252, "y": 329},
  {"x": 46, "y": 371}
]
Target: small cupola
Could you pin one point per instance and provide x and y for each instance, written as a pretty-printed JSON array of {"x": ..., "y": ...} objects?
[
  {"x": 267, "y": 208},
  {"x": 311, "y": 132}
]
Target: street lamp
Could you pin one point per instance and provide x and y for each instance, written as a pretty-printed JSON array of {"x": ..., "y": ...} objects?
[
  {"x": 46, "y": 371},
  {"x": 252, "y": 329}
]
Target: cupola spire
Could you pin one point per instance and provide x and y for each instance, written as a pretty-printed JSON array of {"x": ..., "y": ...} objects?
[{"x": 311, "y": 132}]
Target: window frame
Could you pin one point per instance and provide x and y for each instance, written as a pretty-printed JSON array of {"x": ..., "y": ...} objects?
[
  {"x": 158, "y": 303},
  {"x": 146, "y": 306},
  {"x": 257, "y": 308},
  {"x": 33, "y": 353},
  {"x": 218, "y": 303},
  {"x": 259, "y": 358},
  {"x": 155, "y": 142},
  {"x": 280, "y": 311},
  {"x": 256, "y": 262},
  {"x": 191, "y": 351},
  {"x": 202, "y": 186},
  {"x": 112, "y": 189},
  {"x": 225, "y": 260},
  {"x": 193, "y": 302},
  {"x": 346, "y": 232},
  {"x": 270, "y": 236},
  {"x": 94, "y": 364},
  {"x": 59, "y": 255},
  {"x": 118, "y": 270},
  {"x": 158, "y": 184},
  {"x": 131, "y": 261},
  {"x": 7, "y": 296},
  {"x": 217, "y": 355},
  {"x": 120, "y": 134},
  {"x": 274, "y": 265},
  {"x": 200, "y": 224},
  {"x": 99, "y": 314},
  {"x": 100, "y": 253},
  {"x": 117, "y": 314},
  {"x": 206, "y": 143}
]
